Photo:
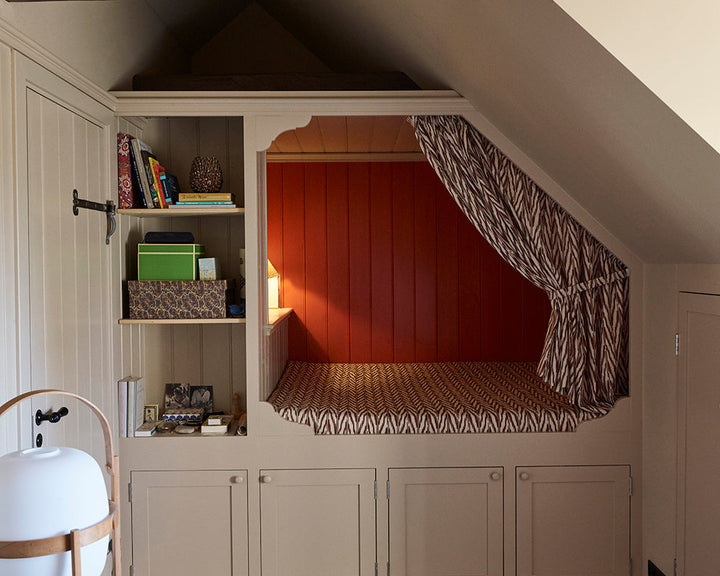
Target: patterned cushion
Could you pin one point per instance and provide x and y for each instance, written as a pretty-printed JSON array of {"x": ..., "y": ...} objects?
[{"x": 428, "y": 398}]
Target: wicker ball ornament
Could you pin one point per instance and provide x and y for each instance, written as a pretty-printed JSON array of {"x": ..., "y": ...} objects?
[{"x": 206, "y": 174}]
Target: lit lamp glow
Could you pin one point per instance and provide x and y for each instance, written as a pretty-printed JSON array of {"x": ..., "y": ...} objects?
[
  {"x": 273, "y": 286},
  {"x": 55, "y": 517}
]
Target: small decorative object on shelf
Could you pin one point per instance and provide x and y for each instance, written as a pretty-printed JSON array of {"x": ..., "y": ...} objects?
[{"x": 206, "y": 175}]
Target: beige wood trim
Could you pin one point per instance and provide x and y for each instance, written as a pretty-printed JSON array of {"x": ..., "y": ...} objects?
[
  {"x": 34, "y": 51},
  {"x": 276, "y": 317},
  {"x": 347, "y": 157},
  {"x": 154, "y": 212},
  {"x": 369, "y": 103},
  {"x": 183, "y": 321}
]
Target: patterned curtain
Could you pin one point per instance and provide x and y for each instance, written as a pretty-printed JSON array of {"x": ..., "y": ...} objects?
[{"x": 586, "y": 347}]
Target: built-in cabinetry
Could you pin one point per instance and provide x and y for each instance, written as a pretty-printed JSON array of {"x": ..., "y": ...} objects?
[
  {"x": 190, "y": 522},
  {"x": 316, "y": 522},
  {"x": 324, "y": 522},
  {"x": 350, "y": 505},
  {"x": 445, "y": 521}
]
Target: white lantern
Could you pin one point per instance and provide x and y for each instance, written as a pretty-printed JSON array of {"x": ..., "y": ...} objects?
[
  {"x": 49, "y": 492},
  {"x": 55, "y": 518}
]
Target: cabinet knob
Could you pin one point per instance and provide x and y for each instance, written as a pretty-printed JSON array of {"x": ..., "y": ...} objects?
[
  {"x": 237, "y": 479},
  {"x": 265, "y": 479},
  {"x": 495, "y": 476},
  {"x": 524, "y": 476}
]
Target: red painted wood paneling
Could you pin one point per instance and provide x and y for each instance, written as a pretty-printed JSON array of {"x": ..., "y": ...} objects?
[
  {"x": 316, "y": 271},
  {"x": 359, "y": 262},
  {"x": 338, "y": 263},
  {"x": 381, "y": 262},
  {"x": 380, "y": 265}
]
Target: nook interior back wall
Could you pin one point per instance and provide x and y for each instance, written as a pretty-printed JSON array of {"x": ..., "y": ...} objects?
[{"x": 380, "y": 265}]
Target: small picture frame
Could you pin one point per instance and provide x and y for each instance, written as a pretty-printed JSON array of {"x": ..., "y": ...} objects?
[
  {"x": 177, "y": 395},
  {"x": 150, "y": 413},
  {"x": 202, "y": 397}
]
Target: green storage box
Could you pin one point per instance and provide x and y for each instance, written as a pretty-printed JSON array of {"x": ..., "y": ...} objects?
[{"x": 169, "y": 261}]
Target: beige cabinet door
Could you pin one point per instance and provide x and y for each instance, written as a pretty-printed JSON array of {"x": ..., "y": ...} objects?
[
  {"x": 318, "y": 522},
  {"x": 446, "y": 521},
  {"x": 573, "y": 520},
  {"x": 189, "y": 523},
  {"x": 698, "y": 543}
]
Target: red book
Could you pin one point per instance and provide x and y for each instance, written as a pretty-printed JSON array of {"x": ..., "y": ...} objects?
[{"x": 125, "y": 185}]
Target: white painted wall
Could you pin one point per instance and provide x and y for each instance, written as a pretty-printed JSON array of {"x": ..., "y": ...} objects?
[
  {"x": 107, "y": 42},
  {"x": 672, "y": 46}
]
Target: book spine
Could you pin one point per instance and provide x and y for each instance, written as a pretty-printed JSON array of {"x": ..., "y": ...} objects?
[
  {"x": 218, "y": 196},
  {"x": 205, "y": 203},
  {"x": 155, "y": 166},
  {"x": 149, "y": 178},
  {"x": 165, "y": 188},
  {"x": 125, "y": 187},
  {"x": 151, "y": 164},
  {"x": 122, "y": 408},
  {"x": 131, "y": 408},
  {"x": 139, "y": 170}
]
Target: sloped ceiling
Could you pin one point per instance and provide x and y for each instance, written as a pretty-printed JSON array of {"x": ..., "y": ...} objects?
[{"x": 551, "y": 89}]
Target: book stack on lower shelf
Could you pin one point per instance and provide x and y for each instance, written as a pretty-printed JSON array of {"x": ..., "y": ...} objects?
[
  {"x": 131, "y": 406},
  {"x": 204, "y": 200}
]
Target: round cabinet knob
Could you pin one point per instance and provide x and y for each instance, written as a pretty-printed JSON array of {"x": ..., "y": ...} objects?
[
  {"x": 495, "y": 476},
  {"x": 265, "y": 479},
  {"x": 524, "y": 476},
  {"x": 237, "y": 479}
]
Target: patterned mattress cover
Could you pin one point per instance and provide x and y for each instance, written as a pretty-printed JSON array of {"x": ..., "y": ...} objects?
[{"x": 427, "y": 398}]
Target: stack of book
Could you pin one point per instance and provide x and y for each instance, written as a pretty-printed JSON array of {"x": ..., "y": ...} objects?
[
  {"x": 216, "y": 424},
  {"x": 142, "y": 180},
  {"x": 204, "y": 200},
  {"x": 131, "y": 405}
]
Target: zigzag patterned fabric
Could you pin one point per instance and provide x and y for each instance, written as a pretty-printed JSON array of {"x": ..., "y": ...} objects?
[
  {"x": 586, "y": 347},
  {"x": 429, "y": 398}
]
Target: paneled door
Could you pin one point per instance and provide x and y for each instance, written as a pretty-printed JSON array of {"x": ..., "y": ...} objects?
[
  {"x": 64, "y": 142},
  {"x": 188, "y": 523},
  {"x": 573, "y": 520},
  {"x": 698, "y": 435},
  {"x": 317, "y": 522},
  {"x": 446, "y": 521}
]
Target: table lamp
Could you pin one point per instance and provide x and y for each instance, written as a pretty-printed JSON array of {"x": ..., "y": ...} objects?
[{"x": 55, "y": 517}]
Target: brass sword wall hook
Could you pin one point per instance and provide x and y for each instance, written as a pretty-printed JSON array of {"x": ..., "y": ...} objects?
[{"x": 108, "y": 208}]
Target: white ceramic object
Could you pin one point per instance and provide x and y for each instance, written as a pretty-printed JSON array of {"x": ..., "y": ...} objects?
[{"x": 48, "y": 492}]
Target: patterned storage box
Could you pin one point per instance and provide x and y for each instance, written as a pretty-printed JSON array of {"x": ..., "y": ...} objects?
[{"x": 179, "y": 299}]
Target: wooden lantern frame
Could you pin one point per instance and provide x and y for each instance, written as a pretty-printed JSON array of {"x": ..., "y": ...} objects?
[{"x": 75, "y": 539}]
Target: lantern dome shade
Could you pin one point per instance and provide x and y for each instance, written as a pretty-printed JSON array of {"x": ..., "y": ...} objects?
[{"x": 49, "y": 492}]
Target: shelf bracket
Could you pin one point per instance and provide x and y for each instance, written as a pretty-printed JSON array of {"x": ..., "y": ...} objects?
[{"x": 108, "y": 208}]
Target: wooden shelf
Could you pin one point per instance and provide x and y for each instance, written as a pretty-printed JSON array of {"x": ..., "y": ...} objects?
[
  {"x": 157, "y": 212},
  {"x": 183, "y": 321}
]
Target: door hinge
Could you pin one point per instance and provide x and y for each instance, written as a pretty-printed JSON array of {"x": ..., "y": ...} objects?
[
  {"x": 630, "y": 486},
  {"x": 677, "y": 344},
  {"x": 387, "y": 489},
  {"x": 129, "y": 491}
]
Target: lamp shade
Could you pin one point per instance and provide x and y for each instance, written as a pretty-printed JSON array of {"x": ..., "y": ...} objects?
[{"x": 49, "y": 492}]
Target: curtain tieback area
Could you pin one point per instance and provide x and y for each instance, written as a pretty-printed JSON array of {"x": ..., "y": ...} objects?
[{"x": 563, "y": 293}]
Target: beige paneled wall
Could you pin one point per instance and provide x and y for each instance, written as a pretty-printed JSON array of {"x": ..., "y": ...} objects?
[
  {"x": 9, "y": 385},
  {"x": 201, "y": 355}
]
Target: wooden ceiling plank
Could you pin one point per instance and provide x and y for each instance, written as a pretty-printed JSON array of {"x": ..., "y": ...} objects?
[
  {"x": 360, "y": 129},
  {"x": 334, "y": 133},
  {"x": 310, "y": 137}
]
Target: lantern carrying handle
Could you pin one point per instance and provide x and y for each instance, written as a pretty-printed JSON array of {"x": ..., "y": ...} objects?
[{"x": 76, "y": 539}]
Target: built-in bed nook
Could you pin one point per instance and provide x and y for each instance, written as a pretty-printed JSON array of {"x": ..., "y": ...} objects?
[{"x": 443, "y": 293}]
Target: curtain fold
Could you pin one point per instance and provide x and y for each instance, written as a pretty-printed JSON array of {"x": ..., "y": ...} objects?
[{"x": 585, "y": 355}]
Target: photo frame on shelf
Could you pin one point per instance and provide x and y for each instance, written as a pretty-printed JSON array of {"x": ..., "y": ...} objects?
[
  {"x": 177, "y": 395},
  {"x": 202, "y": 397},
  {"x": 150, "y": 412}
]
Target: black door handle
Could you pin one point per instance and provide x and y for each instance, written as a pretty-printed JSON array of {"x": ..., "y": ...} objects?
[{"x": 52, "y": 417}]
